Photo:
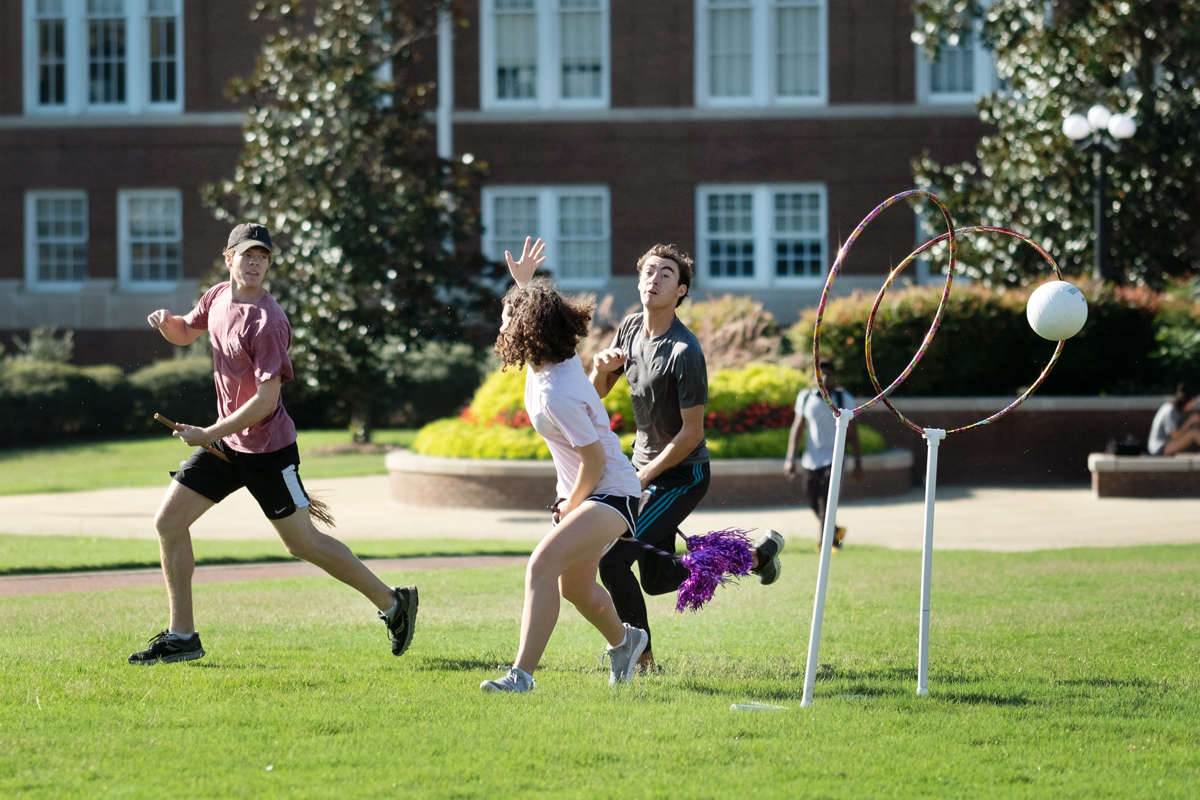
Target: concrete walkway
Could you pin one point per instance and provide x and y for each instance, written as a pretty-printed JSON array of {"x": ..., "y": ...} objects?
[{"x": 972, "y": 518}]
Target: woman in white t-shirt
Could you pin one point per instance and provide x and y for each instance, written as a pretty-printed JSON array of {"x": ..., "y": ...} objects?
[{"x": 597, "y": 488}]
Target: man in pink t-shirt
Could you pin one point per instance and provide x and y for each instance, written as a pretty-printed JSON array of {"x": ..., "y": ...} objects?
[{"x": 250, "y": 339}]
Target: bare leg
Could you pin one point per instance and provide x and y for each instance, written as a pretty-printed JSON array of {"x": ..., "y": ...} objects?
[
  {"x": 578, "y": 540},
  {"x": 304, "y": 541},
  {"x": 180, "y": 508},
  {"x": 579, "y": 587}
]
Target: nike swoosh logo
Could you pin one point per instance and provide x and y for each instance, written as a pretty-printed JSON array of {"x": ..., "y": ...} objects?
[{"x": 281, "y": 510}]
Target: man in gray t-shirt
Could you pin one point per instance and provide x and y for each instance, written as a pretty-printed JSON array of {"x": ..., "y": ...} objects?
[{"x": 668, "y": 381}]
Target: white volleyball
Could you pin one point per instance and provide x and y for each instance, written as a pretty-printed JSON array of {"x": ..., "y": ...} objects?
[{"x": 1056, "y": 311}]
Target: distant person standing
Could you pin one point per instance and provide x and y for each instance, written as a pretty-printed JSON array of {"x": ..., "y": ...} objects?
[
  {"x": 250, "y": 339},
  {"x": 815, "y": 422},
  {"x": 1176, "y": 426}
]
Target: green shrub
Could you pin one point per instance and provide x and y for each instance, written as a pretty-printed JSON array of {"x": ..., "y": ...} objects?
[
  {"x": 501, "y": 394},
  {"x": 773, "y": 443},
  {"x": 180, "y": 389},
  {"x": 50, "y": 401},
  {"x": 775, "y": 385},
  {"x": 985, "y": 345},
  {"x": 457, "y": 438}
]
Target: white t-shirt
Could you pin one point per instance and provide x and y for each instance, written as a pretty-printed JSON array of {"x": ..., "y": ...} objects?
[
  {"x": 1166, "y": 422},
  {"x": 564, "y": 408},
  {"x": 820, "y": 428}
]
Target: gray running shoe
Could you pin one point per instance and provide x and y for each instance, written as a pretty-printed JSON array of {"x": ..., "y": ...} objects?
[
  {"x": 167, "y": 648},
  {"x": 515, "y": 681},
  {"x": 769, "y": 547},
  {"x": 403, "y": 618},
  {"x": 622, "y": 659}
]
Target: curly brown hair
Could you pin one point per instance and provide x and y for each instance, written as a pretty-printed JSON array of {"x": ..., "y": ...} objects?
[
  {"x": 544, "y": 326},
  {"x": 687, "y": 267}
]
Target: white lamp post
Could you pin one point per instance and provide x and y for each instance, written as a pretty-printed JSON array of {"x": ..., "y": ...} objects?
[{"x": 1100, "y": 132}]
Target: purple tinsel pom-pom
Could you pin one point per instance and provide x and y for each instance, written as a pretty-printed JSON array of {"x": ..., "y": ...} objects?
[{"x": 713, "y": 560}]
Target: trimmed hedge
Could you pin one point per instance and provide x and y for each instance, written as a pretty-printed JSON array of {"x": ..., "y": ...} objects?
[{"x": 986, "y": 347}]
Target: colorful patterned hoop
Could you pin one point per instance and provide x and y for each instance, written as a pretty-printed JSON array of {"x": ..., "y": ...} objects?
[
  {"x": 892, "y": 276},
  {"x": 951, "y": 235},
  {"x": 836, "y": 268}
]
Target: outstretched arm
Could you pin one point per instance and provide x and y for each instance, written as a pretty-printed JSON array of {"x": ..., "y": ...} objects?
[
  {"x": 173, "y": 328},
  {"x": 532, "y": 257}
]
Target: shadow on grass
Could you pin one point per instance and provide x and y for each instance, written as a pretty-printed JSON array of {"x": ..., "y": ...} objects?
[
  {"x": 438, "y": 664},
  {"x": 221, "y": 561}
]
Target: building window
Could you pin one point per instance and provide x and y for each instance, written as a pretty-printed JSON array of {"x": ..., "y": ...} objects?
[
  {"x": 761, "y": 235},
  {"x": 149, "y": 238},
  {"x": 761, "y": 52},
  {"x": 56, "y": 237},
  {"x": 574, "y": 222},
  {"x": 544, "y": 53},
  {"x": 109, "y": 56},
  {"x": 961, "y": 73}
]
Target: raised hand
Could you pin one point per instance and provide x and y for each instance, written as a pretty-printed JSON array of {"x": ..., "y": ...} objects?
[
  {"x": 532, "y": 257},
  {"x": 609, "y": 360}
]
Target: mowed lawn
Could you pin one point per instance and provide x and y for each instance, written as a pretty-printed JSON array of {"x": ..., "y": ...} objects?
[
  {"x": 1053, "y": 674},
  {"x": 146, "y": 462}
]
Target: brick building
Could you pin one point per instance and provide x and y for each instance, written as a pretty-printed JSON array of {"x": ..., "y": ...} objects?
[{"x": 754, "y": 133}]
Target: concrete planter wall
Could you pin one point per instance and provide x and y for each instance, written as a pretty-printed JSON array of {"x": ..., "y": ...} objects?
[{"x": 469, "y": 483}]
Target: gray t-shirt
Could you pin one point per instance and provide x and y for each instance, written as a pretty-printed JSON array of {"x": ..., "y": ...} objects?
[{"x": 665, "y": 374}]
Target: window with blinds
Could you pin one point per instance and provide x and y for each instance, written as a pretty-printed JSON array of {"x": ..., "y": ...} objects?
[
  {"x": 574, "y": 222},
  {"x": 56, "y": 239},
  {"x": 544, "y": 53},
  {"x": 761, "y": 235}
]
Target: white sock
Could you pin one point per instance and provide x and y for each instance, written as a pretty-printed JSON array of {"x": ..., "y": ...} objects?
[
  {"x": 184, "y": 636},
  {"x": 523, "y": 674}
]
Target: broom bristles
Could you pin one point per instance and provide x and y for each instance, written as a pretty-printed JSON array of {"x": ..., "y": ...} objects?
[{"x": 318, "y": 509}]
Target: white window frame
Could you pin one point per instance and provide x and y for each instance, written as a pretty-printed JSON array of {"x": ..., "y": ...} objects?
[
  {"x": 32, "y": 281},
  {"x": 762, "y": 234},
  {"x": 137, "y": 62},
  {"x": 548, "y": 226},
  {"x": 984, "y": 79},
  {"x": 548, "y": 94},
  {"x": 763, "y": 83},
  {"x": 125, "y": 281}
]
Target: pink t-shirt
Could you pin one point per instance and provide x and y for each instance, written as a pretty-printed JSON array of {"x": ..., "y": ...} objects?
[
  {"x": 564, "y": 408},
  {"x": 250, "y": 343}
]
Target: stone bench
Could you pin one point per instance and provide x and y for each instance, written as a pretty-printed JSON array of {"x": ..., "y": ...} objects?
[
  {"x": 1145, "y": 476},
  {"x": 736, "y": 483}
]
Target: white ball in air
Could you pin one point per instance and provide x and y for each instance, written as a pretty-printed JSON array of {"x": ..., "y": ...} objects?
[{"x": 1056, "y": 311}]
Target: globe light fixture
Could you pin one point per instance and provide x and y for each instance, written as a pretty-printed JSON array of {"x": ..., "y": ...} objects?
[{"x": 1099, "y": 132}]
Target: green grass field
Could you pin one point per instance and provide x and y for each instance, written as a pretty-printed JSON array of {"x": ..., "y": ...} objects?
[
  {"x": 144, "y": 462},
  {"x": 1064, "y": 674}
]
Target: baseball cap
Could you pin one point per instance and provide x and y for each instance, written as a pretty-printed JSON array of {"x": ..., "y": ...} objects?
[{"x": 247, "y": 235}]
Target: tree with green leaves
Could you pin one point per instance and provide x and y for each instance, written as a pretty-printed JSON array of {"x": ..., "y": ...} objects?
[
  {"x": 338, "y": 160},
  {"x": 1055, "y": 58}
]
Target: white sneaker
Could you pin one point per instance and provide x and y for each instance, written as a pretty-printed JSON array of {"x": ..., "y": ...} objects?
[
  {"x": 515, "y": 681},
  {"x": 623, "y": 658}
]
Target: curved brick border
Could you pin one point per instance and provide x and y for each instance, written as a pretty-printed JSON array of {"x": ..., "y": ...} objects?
[{"x": 736, "y": 483}]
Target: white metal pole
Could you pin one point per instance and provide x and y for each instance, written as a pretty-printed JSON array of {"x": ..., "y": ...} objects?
[
  {"x": 835, "y": 487},
  {"x": 445, "y": 85},
  {"x": 934, "y": 436}
]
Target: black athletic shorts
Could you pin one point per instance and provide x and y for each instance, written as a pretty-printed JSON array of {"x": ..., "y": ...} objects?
[
  {"x": 273, "y": 478},
  {"x": 624, "y": 505}
]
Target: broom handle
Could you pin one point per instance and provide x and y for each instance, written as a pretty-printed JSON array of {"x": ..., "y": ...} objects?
[{"x": 175, "y": 427}]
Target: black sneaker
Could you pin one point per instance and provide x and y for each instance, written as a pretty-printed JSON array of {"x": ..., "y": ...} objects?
[
  {"x": 402, "y": 619},
  {"x": 768, "y": 548},
  {"x": 839, "y": 534},
  {"x": 167, "y": 647}
]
